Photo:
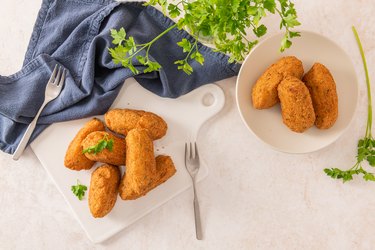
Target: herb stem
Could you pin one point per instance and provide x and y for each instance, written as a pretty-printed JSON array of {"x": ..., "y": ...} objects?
[
  {"x": 180, "y": 2},
  {"x": 369, "y": 115},
  {"x": 195, "y": 45},
  {"x": 149, "y": 44},
  {"x": 282, "y": 17},
  {"x": 139, "y": 50},
  {"x": 163, "y": 33},
  {"x": 244, "y": 37},
  {"x": 355, "y": 166}
]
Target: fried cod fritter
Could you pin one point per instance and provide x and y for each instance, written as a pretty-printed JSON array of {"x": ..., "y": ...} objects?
[
  {"x": 116, "y": 156},
  {"x": 296, "y": 104},
  {"x": 74, "y": 159},
  {"x": 103, "y": 190},
  {"x": 122, "y": 121},
  {"x": 323, "y": 93},
  {"x": 140, "y": 161},
  {"x": 264, "y": 92},
  {"x": 164, "y": 170}
]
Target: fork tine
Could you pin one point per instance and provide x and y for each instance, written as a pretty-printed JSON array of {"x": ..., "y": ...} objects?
[
  {"x": 62, "y": 80},
  {"x": 57, "y": 79},
  {"x": 186, "y": 154},
  {"x": 53, "y": 76},
  {"x": 191, "y": 151},
  {"x": 196, "y": 151}
]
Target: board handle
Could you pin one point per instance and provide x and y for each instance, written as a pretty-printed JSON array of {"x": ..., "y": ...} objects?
[{"x": 212, "y": 100}]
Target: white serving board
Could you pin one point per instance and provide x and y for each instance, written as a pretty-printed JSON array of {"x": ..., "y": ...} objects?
[{"x": 184, "y": 115}]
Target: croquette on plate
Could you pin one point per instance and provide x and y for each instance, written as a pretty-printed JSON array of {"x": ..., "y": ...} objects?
[
  {"x": 296, "y": 104},
  {"x": 323, "y": 93},
  {"x": 264, "y": 92}
]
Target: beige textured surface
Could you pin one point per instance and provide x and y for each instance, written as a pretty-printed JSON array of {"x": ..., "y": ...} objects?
[{"x": 253, "y": 198}]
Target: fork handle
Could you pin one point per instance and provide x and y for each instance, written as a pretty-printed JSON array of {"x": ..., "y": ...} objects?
[
  {"x": 26, "y": 137},
  {"x": 197, "y": 216}
]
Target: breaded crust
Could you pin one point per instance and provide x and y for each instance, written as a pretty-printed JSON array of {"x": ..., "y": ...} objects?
[
  {"x": 103, "y": 190},
  {"x": 264, "y": 92},
  {"x": 140, "y": 161},
  {"x": 296, "y": 104},
  {"x": 154, "y": 124},
  {"x": 122, "y": 121},
  {"x": 164, "y": 170},
  {"x": 115, "y": 157},
  {"x": 323, "y": 93},
  {"x": 74, "y": 159}
]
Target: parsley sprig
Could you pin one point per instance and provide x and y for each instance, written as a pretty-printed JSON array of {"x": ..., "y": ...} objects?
[
  {"x": 102, "y": 144},
  {"x": 366, "y": 145},
  {"x": 224, "y": 22},
  {"x": 79, "y": 190}
]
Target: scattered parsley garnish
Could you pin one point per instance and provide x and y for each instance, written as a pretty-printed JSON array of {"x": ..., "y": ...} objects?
[
  {"x": 224, "y": 22},
  {"x": 79, "y": 190},
  {"x": 100, "y": 146},
  {"x": 366, "y": 145}
]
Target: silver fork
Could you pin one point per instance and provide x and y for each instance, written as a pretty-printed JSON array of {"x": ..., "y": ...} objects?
[
  {"x": 192, "y": 166},
  {"x": 53, "y": 89}
]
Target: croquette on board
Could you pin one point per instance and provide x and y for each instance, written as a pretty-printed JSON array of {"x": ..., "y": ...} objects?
[
  {"x": 140, "y": 161},
  {"x": 323, "y": 93},
  {"x": 114, "y": 156},
  {"x": 74, "y": 159},
  {"x": 264, "y": 92},
  {"x": 296, "y": 104},
  {"x": 121, "y": 121},
  {"x": 164, "y": 170},
  {"x": 103, "y": 190}
]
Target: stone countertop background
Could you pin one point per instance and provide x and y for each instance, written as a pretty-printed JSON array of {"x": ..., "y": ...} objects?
[{"x": 253, "y": 198}]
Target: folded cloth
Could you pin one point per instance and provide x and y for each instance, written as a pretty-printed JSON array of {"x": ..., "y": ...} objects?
[{"x": 76, "y": 35}]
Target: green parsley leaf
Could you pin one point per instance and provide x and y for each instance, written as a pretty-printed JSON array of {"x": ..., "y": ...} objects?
[
  {"x": 79, "y": 190},
  {"x": 260, "y": 31},
  {"x": 185, "y": 45},
  {"x": 118, "y": 36},
  {"x": 270, "y": 5},
  {"x": 294, "y": 34},
  {"x": 187, "y": 68},
  {"x": 141, "y": 59},
  {"x": 285, "y": 43},
  {"x": 102, "y": 144},
  {"x": 291, "y": 21},
  {"x": 371, "y": 160},
  {"x": 173, "y": 10},
  {"x": 198, "y": 57},
  {"x": 179, "y": 62},
  {"x": 369, "y": 177},
  {"x": 118, "y": 54},
  {"x": 152, "y": 66}
]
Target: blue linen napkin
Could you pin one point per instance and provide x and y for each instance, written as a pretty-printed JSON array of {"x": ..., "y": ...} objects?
[{"x": 75, "y": 34}]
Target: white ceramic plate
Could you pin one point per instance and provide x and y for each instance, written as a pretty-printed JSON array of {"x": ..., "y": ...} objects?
[
  {"x": 184, "y": 116},
  {"x": 267, "y": 124}
]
